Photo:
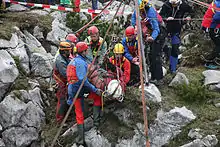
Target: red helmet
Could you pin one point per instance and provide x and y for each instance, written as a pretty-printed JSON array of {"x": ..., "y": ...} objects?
[
  {"x": 71, "y": 38},
  {"x": 129, "y": 31},
  {"x": 81, "y": 46},
  {"x": 93, "y": 30}
]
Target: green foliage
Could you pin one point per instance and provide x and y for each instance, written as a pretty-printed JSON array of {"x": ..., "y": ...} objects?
[
  {"x": 74, "y": 22},
  {"x": 20, "y": 83},
  {"x": 193, "y": 92},
  {"x": 45, "y": 22},
  {"x": 20, "y": 69}
]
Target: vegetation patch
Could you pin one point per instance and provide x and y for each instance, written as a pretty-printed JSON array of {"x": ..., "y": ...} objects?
[
  {"x": 196, "y": 98},
  {"x": 23, "y": 21},
  {"x": 20, "y": 83},
  {"x": 193, "y": 92}
]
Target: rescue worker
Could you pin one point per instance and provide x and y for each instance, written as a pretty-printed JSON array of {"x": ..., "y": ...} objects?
[
  {"x": 211, "y": 24},
  {"x": 171, "y": 10},
  {"x": 72, "y": 39},
  {"x": 153, "y": 39},
  {"x": 94, "y": 41},
  {"x": 123, "y": 63},
  {"x": 130, "y": 44},
  {"x": 59, "y": 75},
  {"x": 76, "y": 71}
]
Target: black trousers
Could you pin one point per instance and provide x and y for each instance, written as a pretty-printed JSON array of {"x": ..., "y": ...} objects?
[
  {"x": 135, "y": 73},
  {"x": 215, "y": 36},
  {"x": 156, "y": 60}
]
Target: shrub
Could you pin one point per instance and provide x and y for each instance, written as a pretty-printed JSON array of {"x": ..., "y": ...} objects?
[
  {"x": 194, "y": 92},
  {"x": 200, "y": 46}
]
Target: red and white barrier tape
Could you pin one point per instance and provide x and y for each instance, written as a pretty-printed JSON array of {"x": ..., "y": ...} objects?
[{"x": 61, "y": 8}]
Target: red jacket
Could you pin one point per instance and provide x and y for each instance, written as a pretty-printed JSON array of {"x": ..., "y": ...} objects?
[
  {"x": 207, "y": 18},
  {"x": 125, "y": 65}
]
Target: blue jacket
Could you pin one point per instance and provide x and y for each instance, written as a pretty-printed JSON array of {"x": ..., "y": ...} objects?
[
  {"x": 81, "y": 69},
  {"x": 125, "y": 43},
  {"x": 216, "y": 16},
  {"x": 152, "y": 18}
]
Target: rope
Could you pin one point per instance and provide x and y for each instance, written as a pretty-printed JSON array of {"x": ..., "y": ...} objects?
[
  {"x": 140, "y": 48},
  {"x": 74, "y": 99},
  {"x": 102, "y": 101},
  {"x": 85, "y": 26}
]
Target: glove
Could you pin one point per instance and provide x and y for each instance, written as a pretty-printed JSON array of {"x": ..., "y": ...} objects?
[
  {"x": 150, "y": 39},
  {"x": 187, "y": 18},
  {"x": 137, "y": 63},
  {"x": 99, "y": 92},
  {"x": 170, "y": 18},
  {"x": 135, "y": 59}
]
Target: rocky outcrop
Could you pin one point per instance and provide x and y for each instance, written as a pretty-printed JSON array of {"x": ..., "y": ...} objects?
[
  {"x": 195, "y": 133},
  {"x": 180, "y": 78},
  {"x": 21, "y": 118},
  {"x": 38, "y": 33},
  {"x": 94, "y": 138},
  {"x": 59, "y": 29},
  {"x": 39, "y": 12},
  {"x": 8, "y": 72},
  {"x": 208, "y": 141},
  {"x": 19, "y": 136},
  {"x": 33, "y": 45},
  {"x": 152, "y": 93},
  {"x": 168, "y": 125},
  {"x": 21, "y": 55},
  {"x": 2, "y": 144},
  {"x": 41, "y": 64},
  {"x": 9, "y": 44},
  {"x": 211, "y": 77},
  {"x": 17, "y": 8},
  {"x": 138, "y": 139}
]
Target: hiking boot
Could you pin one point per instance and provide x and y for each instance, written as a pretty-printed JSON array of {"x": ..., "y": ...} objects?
[
  {"x": 157, "y": 82},
  {"x": 80, "y": 140},
  {"x": 96, "y": 116}
]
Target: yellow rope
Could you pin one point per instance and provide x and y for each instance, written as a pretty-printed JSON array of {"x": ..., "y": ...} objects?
[{"x": 103, "y": 101}]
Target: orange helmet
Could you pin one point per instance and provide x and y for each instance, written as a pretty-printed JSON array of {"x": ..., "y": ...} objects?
[
  {"x": 129, "y": 31},
  {"x": 71, "y": 38},
  {"x": 81, "y": 46},
  {"x": 93, "y": 30},
  {"x": 65, "y": 46}
]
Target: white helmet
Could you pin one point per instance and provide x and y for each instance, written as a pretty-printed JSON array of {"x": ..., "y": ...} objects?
[
  {"x": 113, "y": 84},
  {"x": 175, "y": 2}
]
